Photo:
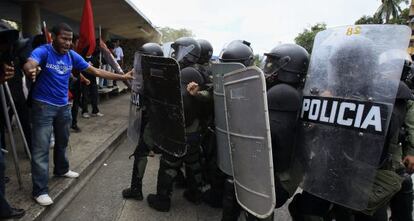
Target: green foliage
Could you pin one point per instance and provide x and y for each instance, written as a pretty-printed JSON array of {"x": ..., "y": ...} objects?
[
  {"x": 366, "y": 19},
  {"x": 258, "y": 60},
  {"x": 390, "y": 10},
  {"x": 401, "y": 18},
  {"x": 171, "y": 34},
  {"x": 306, "y": 38}
]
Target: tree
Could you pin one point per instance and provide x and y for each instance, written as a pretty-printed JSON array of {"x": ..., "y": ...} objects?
[
  {"x": 306, "y": 38},
  {"x": 402, "y": 19},
  {"x": 388, "y": 9},
  {"x": 258, "y": 60},
  {"x": 171, "y": 34},
  {"x": 366, "y": 19}
]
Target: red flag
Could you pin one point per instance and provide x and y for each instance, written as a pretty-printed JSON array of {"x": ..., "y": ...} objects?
[{"x": 87, "y": 31}]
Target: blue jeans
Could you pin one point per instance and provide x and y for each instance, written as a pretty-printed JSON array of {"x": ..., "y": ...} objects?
[{"x": 46, "y": 119}]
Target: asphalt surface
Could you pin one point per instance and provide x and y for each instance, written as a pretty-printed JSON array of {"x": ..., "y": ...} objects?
[{"x": 101, "y": 198}]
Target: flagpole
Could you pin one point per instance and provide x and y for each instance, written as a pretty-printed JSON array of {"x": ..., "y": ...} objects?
[{"x": 100, "y": 52}]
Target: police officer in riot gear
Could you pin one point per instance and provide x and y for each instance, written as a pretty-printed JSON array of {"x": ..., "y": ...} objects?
[
  {"x": 144, "y": 144},
  {"x": 345, "y": 81},
  {"x": 285, "y": 67},
  {"x": 241, "y": 52},
  {"x": 191, "y": 82},
  {"x": 401, "y": 204},
  {"x": 186, "y": 51}
]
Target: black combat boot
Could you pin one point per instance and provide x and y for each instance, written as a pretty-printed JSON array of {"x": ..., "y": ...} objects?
[
  {"x": 231, "y": 209},
  {"x": 130, "y": 193},
  {"x": 135, "y": 191},
  {"x": 193, "y": 196},
  {"x": 162, "y": 201},
  {"x": 159, "y": 202}
]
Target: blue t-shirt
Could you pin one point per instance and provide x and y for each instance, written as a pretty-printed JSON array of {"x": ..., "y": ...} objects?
[{"x": 52, "y": 84}]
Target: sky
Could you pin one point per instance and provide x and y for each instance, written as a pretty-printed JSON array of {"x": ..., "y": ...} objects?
[{"x": 264, "y": 23}]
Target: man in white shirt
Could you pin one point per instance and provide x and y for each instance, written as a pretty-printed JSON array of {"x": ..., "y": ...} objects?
[{"x": 119, "y": 53}]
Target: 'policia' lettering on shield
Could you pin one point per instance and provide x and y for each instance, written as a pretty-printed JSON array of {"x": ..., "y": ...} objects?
[{"x": 368, "y": 117}]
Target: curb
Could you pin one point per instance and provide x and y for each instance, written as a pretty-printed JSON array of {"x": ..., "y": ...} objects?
[{"x": 67, "y": 189}]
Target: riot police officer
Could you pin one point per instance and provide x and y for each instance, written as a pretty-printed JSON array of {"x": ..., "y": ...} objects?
[
  {"x": 238, "y": 51},
  {"x": 347, "y": 70},
  {"x": 285, "y": 70},
  {"x": 145, "y": 143},
  {"x": 401, "y": 204},
  {"x": 191, "y": 82}
]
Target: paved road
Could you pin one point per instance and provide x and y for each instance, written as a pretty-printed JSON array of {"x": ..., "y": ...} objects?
[{"x": 101, "y": 198}]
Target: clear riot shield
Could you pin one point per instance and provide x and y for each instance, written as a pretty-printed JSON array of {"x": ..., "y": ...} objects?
[
  {"x": 135, "y": 107},
  {"x": 165, "y": 110},
  {"x": 250, "y": 140},
  {"x": 223, "y": 149},
  {"x": 348, "y": 101}
]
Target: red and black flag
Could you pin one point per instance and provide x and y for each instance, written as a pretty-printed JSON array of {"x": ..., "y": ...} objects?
[{"x": 87, "y": 42}]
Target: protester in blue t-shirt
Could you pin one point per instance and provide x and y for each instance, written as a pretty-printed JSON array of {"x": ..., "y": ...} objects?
[{"x": 50, "y": 67}]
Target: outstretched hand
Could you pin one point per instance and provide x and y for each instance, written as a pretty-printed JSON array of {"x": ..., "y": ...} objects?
[{"x": 129, "y": 75}]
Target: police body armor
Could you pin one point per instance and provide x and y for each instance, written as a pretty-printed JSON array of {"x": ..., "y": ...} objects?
[
  {"x": 346, "y": 110},
  {"x": 223, "y": 148},
  {"x": 166, "y": 113},
  {"x": 250, "y": 140}
]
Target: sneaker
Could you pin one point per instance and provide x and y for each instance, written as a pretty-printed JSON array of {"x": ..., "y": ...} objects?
[
  {"x": 99, "y": 114},
  {"x": 44, "y": 200},
  {"x": 71, "y": 174},
  {"x": 86, "y": 115},
  {"x": 75, "y": 128}
]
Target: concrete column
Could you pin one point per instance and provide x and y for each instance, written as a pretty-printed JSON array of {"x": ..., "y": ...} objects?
[{"x": 30, "y": 18}]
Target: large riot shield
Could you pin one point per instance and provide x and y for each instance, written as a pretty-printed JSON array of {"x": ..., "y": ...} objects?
[
  {"x": 223, "y": 149},
  {"x": 135, "y": 107},
  {"x": 165, "y": 110},
  {"x": 250, "y": 140},
  {"x": 348, "y": 101}
]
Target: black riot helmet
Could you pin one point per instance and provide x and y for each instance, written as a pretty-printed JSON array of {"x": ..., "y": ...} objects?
[
  {"x": 352, "y": 65},
  {"x": 206, "y": 51},
  {"x": 288, "y": 62},
  {"x": 238, "y": 51},
  {"x": 186, "y": 51},
  {"x": 151, "y": 49}
]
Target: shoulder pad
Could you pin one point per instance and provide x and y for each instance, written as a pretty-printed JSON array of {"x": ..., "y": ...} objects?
[{"x": 283, "y": 97}]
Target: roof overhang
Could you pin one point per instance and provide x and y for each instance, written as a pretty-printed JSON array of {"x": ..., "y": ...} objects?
[{"x": 119, "y": 17}]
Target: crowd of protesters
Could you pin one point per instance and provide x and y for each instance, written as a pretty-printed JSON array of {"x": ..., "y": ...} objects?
[{"x": 46, "y": 78}]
